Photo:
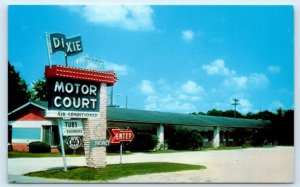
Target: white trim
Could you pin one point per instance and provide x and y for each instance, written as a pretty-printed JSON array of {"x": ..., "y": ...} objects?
[
  {"x": 27, "y": 141},
  {"x": 26, "y": 104},
  {"x": 29, "y": 124}
]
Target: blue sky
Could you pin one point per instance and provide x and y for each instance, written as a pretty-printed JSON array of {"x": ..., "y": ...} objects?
[{"x": 170, "y": 58}]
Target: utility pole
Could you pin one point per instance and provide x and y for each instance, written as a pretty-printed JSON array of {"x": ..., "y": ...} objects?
[
  {"x": 112, "y": 97},
  {"x": 235, "y": 103},
  {"x": 126, "y": 101}
]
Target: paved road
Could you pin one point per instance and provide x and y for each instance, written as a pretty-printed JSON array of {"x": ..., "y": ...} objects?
[{"x": 253, "y": 165}]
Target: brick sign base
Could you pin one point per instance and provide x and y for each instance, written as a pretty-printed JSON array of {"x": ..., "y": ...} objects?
[{"x": 95, "y": 129}]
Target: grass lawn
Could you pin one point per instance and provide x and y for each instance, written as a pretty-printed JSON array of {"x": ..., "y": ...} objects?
[
  {"x": 116, "y": 171},
  {"x": 16, "y": 154}
]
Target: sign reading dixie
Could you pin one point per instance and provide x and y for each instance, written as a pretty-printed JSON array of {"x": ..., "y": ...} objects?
[
  {"x": 66, "y": 94},
  {"x": 59, "y": 42}
]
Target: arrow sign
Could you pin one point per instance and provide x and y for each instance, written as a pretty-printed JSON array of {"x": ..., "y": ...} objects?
[{"x": 120, "y": 135}]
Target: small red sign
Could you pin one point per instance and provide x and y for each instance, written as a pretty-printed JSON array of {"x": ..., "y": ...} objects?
[{"x": 120, "y": 135}]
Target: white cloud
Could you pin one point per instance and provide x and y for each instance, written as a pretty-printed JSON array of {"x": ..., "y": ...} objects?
[
  {"x": 274, "y": 69},
  {"x": 253, "y": 81},
  {"x": 275, "y": 105},
  {"x": 258, "y": 80},
  {"x": 168, "y": 103},
  {"x": 235, "y": 82},
  {"x": 217, "y": 67},
  {"x": 183, "y": 97},
  {"x": 119, "y": 69},
  {"x": 146, "y": 87},
  {"x": 85, "y": 61},
  {"x": 134, "y": 18},
  {"x": 187, "y": 35},
  {"x": 245, "y": 106},
  {"x": 240, "y": 81},
  {"x": 170, "y": 97},
  {"x": 190, "y": 87}
]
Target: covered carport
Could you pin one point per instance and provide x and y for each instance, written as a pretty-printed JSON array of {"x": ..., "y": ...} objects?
[{"x": 144, "y": 120}]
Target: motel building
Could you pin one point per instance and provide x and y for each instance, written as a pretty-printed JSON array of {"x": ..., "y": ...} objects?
[{"x": 29, "y": 123}]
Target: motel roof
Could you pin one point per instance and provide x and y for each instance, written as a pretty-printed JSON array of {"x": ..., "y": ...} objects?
[
  {"x": 123, "y": 115},
  {"x": 155, "y": 117}
]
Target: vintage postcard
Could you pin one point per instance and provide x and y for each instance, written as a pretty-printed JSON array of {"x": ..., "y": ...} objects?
[{"x": 150, "y": 94}]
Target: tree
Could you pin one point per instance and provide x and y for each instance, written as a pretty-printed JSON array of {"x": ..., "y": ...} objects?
[
  {"x": 184, "y": 139},
  {"x": 232, "y": 113},
  {"x": 284, "y": 127},
  {"x": 40, "y": 90},
  {"x": 18, "y": 93},
  {"x": 227, "y": 113},
  {"x": 214, "y": 112}
]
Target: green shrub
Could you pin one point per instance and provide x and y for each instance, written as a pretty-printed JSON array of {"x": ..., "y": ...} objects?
[
  {"x": 256, "y": 139},
  {"x": 39, "y": 147},
  {"x": 185, "y": 139},
  {"x": 143, "y": 142}
]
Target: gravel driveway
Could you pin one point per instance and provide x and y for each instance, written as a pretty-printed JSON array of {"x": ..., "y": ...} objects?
[{"x": 252, "y": 165}]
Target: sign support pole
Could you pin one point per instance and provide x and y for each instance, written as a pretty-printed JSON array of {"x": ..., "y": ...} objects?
[
  {"x": 49, "y": 49},
  {"x": 62, "y": 145},
  {"x": 66, "y": 59},
  {"x": 121, "y": 150}
]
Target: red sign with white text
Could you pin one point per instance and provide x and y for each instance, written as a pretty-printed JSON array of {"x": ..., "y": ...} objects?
[{"x": 120, "y": 135}]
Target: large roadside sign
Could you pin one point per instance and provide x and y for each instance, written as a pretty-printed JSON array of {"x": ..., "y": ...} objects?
[
  {"x": 120, "y": 135},
  {"x": 72, "y": 128}
]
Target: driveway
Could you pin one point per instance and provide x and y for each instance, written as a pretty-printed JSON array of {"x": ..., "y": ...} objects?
[{"x": 252, "y": 165}]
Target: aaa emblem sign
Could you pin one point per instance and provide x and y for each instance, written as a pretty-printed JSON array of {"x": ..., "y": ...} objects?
[
  {"x": 74, "y": 142},
  {"x": 120, "y": 135}
]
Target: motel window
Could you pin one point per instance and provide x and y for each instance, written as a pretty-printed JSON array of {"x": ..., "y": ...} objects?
[{"x": 26, "y": 133}]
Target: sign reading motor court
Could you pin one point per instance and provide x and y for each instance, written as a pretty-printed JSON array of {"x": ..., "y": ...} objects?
[{"x": 72, "y": 95}]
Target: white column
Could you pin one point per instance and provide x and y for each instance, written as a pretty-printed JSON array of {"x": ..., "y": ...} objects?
[
  {"x": 160, "y": 134},
  {"x": 216, "y": 140}
]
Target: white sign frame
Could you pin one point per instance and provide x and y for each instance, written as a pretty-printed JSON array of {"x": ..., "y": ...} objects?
[
  {"x": 72, "y": 127},
  {"x": 71, "y": 114}
]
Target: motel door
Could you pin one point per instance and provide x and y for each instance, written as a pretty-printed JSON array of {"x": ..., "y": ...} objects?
[{"x": 50, "y": 135}]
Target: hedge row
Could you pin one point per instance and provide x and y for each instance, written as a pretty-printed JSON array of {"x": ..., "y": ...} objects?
[{"x": 39, "y": 147}]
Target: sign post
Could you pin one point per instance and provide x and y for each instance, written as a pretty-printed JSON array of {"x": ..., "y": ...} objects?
[
  {"x": 62, "y": 144},
  {"x": 121, "y": 150},
  {"x": 119, "y": 136}
]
